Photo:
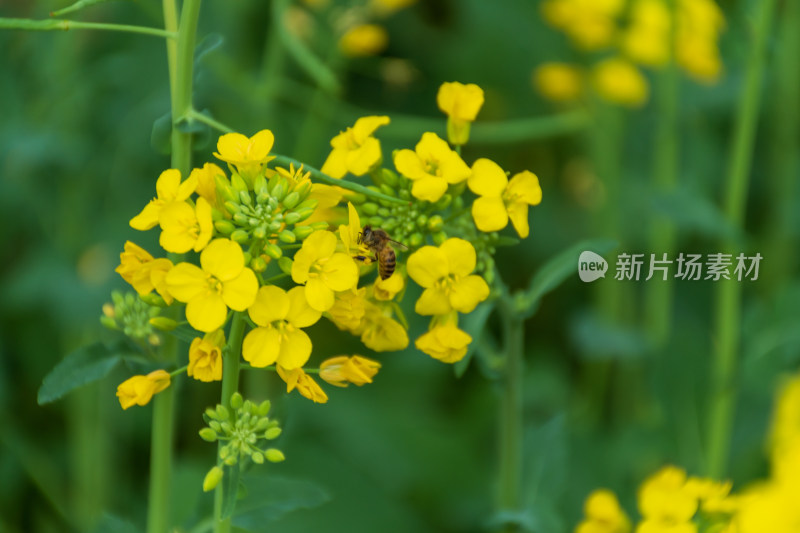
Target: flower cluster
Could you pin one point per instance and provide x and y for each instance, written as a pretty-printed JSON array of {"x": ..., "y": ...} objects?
[
  {"x": 649, "y": 33},
  {"x": 132, "y": 316},
  {"x": 671, "y": 501}
]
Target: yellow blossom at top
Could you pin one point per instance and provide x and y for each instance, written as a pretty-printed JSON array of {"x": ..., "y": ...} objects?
[
  {"x": 387, "y": 7},
  {"x": 446, "y": 274},
  {"x": 590, "y": 24},
  {"x": 461, "y": 103},
  {"x": 222, "y": 282},
  {"x": 444, "y": 342},
  {"x": 138, "y": 390},
  {"x": 603, "y": 514},
  {"x": 620, "y": 82},
  {"x": 169, "y": 189},
  {"x": 699, "y": 24},
  {"x": 185, "y": 228},
  {"x": 647, "y": 38},
  {"x": 364, "y": 40},
  {"x": 432, "y": 166},
  {"x": 714, "y": 496},
  {"x": 559, "y": 82},
  {"x": 355, "y": 150},
  {"x": 279, "y": 337},
  {"x": 323, "y": 270},
  {"x": 143, "y": 272},
  {"x": 207, "y": 184},
  {"x": 343, "y": 370},
  {"x": 248, "y": 155},
  {"x": 205, "y": 356},
  {"x": 501, "y": 199},
  {"x": 305, "y": 384},
  {"x": 664, "y": 499}
]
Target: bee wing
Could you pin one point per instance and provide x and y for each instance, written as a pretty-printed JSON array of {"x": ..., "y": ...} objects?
[{"x": 399, "y": 244}]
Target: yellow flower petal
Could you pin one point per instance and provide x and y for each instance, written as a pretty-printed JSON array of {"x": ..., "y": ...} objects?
[
  {"x": 433, "y": 301},
  {"x": 453, "y": 168},
  {"x": 260, "y": 145},
  {"x": 295, "y": 350},
  {"x": 301, "y": 265},
  {"x": 429, "y": 189},
  {"x": 321, "y": 243},
  {"x": 204, "y": 222},
  {"x": 335, "y": 165},
  {"x": 408, "y": 163},
  {"x": 185, "y": 281},
  {"x": 232, "y": 146},
  {"x": 168, "y": 184},
  {"x": 299, "y": 313},
  {"x": 318, "y": 295},
  {"x": 460, "y": 256},
  {"x": 361, "y": 160},
  {"x": 341, "y": 272},
  {"x": 468, "y": 293},
  {"x": 524, "y": 187},
  {"x": 261, "y": 347},
  {"x": 206, "y": 311},
  {"x": 460, "y": 102},
  {"x": 148, "y": 217},
  {"x": 223, "y": 259},
  {"x": 487, "y": 178},
  {"x": 427, "y": 265},
  {"x": 386, "y": 289},
  {"x": 366, "y": 126},
  {"x": 446, "y": 343},
  {"x": 240, "y": 292},
  {"x": 271, "y": 304},
  {"x": 176, "y": 220},
  {"x": 518, "y": 212},
  {"x": 431, "y": 147},
  {"x": 489, "y": 213}
]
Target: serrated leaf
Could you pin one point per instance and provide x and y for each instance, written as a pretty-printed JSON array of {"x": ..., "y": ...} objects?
[
  {"x": 230, "y": 490},
  {"x": 556, "y": 271},
  {"x": 271, "y": 497},
  {"x": 83, "y": 366},
  {"x": 473, "y": 324}
]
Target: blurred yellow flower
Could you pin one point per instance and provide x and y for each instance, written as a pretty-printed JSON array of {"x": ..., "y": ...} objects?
[
  {"x": 279, "y": 337},
  {"x": 386, "y": 289},
  {"x": 248, "y": 155},
  {"x": 305, "y": 384},
  {"x": 646, "y": 40},
  {"x": 138, "y": 390},
  {"x": 379, "y": 331},
  {"x": 222, "y": 282},
  {"x": 169, "y": 189},
  {"x": 343, "y": 370},
  {"x": 144, "y": 273},
  {"x": 432, "y": 167},
  {"x": 364, "y": 40},
  {"x": 355, "y": 150},
  {"x": 590, "y": 24},
  {"x": 603, "y": 514},
  {"x": 348, "y": 309},
  {"x": 619, "y": 81},
  {"x": 207, "y": 184},
  {"x": 446, "y": 274},
  {"x": 323, "y": 270},
  {"x": 501, "y": 199},
  {"x": 461, "y": 103},
  {"x": 665, "y": 501},
  {"x": 205, "y": 356},
  {"x": 559, "y": 82},
  {"x": 184, "y": 228},
  {"x": 444, "y": 342}
]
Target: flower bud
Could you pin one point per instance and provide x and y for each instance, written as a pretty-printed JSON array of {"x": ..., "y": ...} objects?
[
  {"x": 435, "y": 223},
  {"x": 208, "y": 434},
  {"x": 231, "y": 460},
  {"x": 310, "y": 202},
  {"x": 388, "y": 190},
  {"x": 239, "y": 185},
  {"x": 153, "y": 299},
  {"x": 291, "y": 200},
  {"x": 212, "y": 479},
  {"x": 355, "y": 198},
  {"x": 369, "y": 208},
  {"x": 301, "y": 232},
  {"x": 422, "y": 221},
  {"x": 232, "y": 207},
  {"x": 222, "y": 412},
  {"x": 444, "y": 202},
  {"x": 274, "y": 455},
  {"x": 319, "y": 224},
  {"x": 245, "y": 198},
  {"x": 211, "y": 413},
  {"x": 292, "y": 217},
  {"x": 224, "y": 189},
  {"x": 108, "y": 322},
  {"x": 236, "y": 400},
  {"x": 257, "y": 457},
  {"x": 215, "y": 425},
  {"x": 273, "y": 433},
  {"x": 287, "y": 236},
  {"x": 439, "y": 238},
  {"x": 273, "y": 250},
  {"x": 240, "y": 236},
  {"x": 258, "y": 264},
  {"x": 416, "y": 239},
  {"x": 285, "y": 264},
  {"x": 389, "y": 177},
  {"x": 260, "y": 185},
  {"x": 224, "y": 227},
  {"x": 280, "y": 190},
  {"x": 263, "y": 408},
  {"x": 163, "y": 323}
]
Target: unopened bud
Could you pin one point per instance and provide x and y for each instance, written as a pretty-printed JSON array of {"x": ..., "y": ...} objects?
[
  {"x": 258, "y": 264},
  {"x": 274, "y": 455},
  {"x": 236, "y": 400},
  {"x": 208, "y": 434},
  {"x": 240, "y": 236},
  {"x": 273, "y": 250},
  {"x": 212, "y": 479},
  {"x": 163, "y": 323},
  {"x": 291, "y": 200},
  {"x": 273, "y": 433},
  {"x": 285, "y": 264},
  {"x": 257, "y": 457},
  {"x": 287, "y": 236},
  {"x": 224, "y": 227}
]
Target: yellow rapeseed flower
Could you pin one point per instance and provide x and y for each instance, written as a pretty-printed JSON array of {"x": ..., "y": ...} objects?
[
  {"x": 355, "y": 150},
  {"x": 364, "y": 40},
  {"x": 461, "y": 103},
  {"x": 206, "y": 183},
  {"x": 143, "y": 272},
  {"x": 248, "y": 155},
  {"x": 138, "y": 390},
  {"x": 446, "y": 274},
  {"x": 169, "y": 189},
  {"x": 444, "y": 342},
  {"x": 348, "y": 309},
  {"x": 379, "y": 331},
  {"x": 590, "y": 24},
  {"x": 305, "y": 384},
  {"x": 386, "y": 289},
  {"x": 205, "y": 356},
  {"x": 559, "y": 82},
  {"x": 665, "y": 501},
  {"x": 323, "y": 270},
  {"x": 222, "y": 282},
  {"x": 501, "y": 199},
  {"x": 620, "y": 82},
  {"x": 343, "y": 370},
  {"x": 279, "y": 337},
  {"x": 184, "y": 228},
  {"x": 647, "y": 38},
  {"x": 603, "y": 514},
  {"x": 432, "y": 166}
]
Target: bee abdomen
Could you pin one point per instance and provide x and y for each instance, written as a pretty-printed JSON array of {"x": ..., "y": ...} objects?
[{"x": 386, "y": 264}]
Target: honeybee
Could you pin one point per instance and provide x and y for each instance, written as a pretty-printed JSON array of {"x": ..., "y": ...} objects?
[{"x": 378, "y": 241}]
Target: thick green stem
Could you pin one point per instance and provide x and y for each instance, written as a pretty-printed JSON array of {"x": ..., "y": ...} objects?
[
  {"x": 727, "y": 310},
  {"x": 230, "y": 384},
  {"x": 181, "y": 91},
  {"x": 511, "y": 416},
  {"x": 158, "y": 518}
]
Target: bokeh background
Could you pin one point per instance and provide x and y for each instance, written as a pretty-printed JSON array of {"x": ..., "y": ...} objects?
[{"x": 606, "y": 402}]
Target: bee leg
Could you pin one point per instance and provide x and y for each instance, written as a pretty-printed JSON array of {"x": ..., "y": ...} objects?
[{"x": 365, "y": 257}]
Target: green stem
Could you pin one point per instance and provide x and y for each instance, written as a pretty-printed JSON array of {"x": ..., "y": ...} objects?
[
  {"x": 511, "y": 415},
  {"x": 727, "y": 310},
  {"x": 64, "y": 25},
  {"x": 181, "y": 91},
  {"x": 230, "y": 384},
  {"x": 158, "y": 519}
]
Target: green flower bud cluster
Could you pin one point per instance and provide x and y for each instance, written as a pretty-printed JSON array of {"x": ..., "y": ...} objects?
[
  {"x": 243, "y": 427},
  {"x": 269, "y": 211},
  {"x": 132, "y": 316}
]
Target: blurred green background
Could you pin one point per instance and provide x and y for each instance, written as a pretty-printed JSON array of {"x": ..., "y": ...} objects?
[{"x": 416, "y": 451}]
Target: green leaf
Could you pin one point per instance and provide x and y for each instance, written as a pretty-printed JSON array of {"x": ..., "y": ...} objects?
[
  {"x": 474, "y": 325},
  {"x": 556, "y": 271},
  {"x": 271, "y": 497},
  {"x": 184, "y": 333},
  {"x": 161, "y": 134},
  {"x": 83, "y": 366},
  {"x": 113, "y": 524},
  {"x": 230, "y": 490}
]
